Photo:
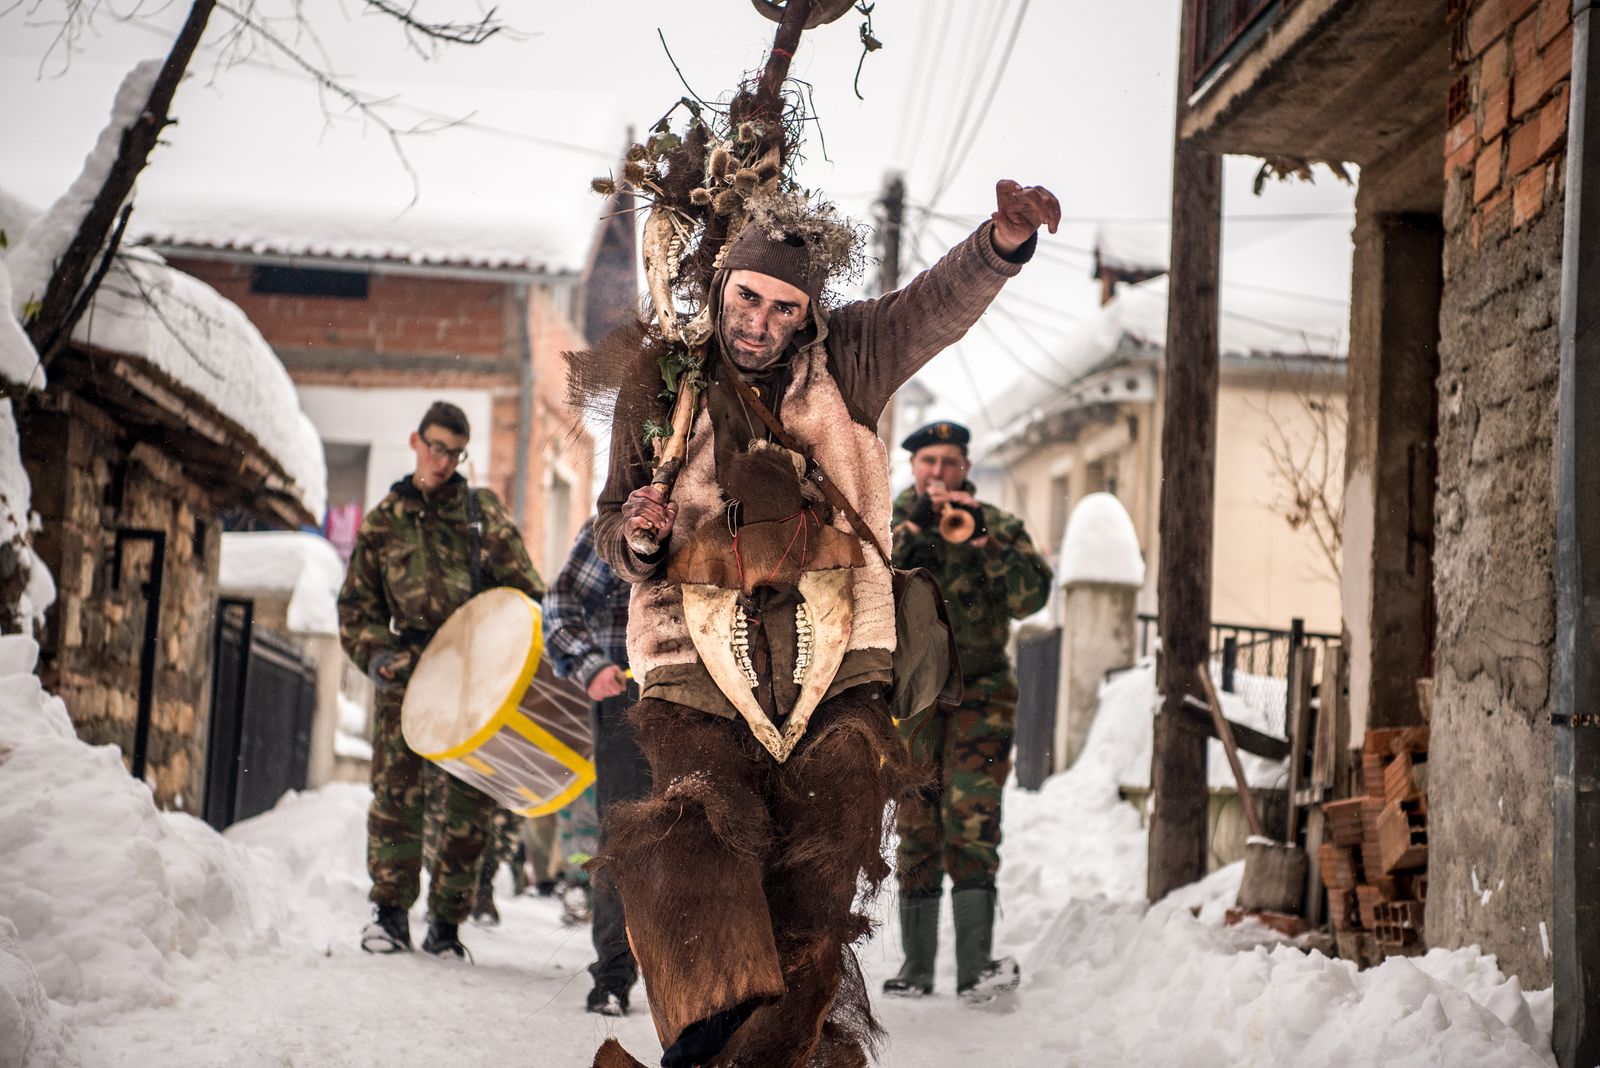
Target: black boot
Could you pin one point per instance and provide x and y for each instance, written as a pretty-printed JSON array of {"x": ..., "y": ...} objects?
[
  {"x": 704, "y": 1039},
  {"x": 389, "y": 931},
  {"x": 919, "y": 937},
  {"x": 483, "y": 911},
  {"x": 606, "y": 1002},
  {"x": 444, "y": 940},
  {"x": 979, "y": 977}
]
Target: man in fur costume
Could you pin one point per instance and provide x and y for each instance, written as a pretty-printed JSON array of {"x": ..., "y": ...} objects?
[{"x": 761, "y": 629}]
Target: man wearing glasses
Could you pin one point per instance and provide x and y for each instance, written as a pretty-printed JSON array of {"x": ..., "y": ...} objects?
[{"x": 412, "y": 566}]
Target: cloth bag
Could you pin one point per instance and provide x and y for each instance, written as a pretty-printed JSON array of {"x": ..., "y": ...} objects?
[{"x": 926, "y": 667}]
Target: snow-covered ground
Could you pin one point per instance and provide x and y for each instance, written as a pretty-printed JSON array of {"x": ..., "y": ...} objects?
[{"x": 131, "y": 937}]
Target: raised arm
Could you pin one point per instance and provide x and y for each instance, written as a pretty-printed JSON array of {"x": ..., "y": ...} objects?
[{"x": 881, "y": 343}]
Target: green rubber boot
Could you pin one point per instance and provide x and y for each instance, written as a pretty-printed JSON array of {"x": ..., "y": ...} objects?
[
  {"x": 979, "y": 977},
  {"x": 919, "y": 936}
]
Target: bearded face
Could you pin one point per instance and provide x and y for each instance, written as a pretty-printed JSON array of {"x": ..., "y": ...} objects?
[{"x": 760, "y": 315}]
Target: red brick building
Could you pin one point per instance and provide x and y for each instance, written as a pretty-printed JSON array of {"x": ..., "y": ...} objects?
[{"x": 371, "y": 335}]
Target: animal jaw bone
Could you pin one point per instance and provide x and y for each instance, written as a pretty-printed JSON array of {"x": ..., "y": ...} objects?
[
  {"x": 712, "y": 613},
  {"x": 665, "y": 233},
  {"x": 802, "y": 642}
]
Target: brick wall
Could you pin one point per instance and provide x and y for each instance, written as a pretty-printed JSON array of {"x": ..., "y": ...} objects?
[
  {"x": 401, "y": 314},
  {"x": 1490, "y": 802},
  {"x": 1509, "y": 125},
  {"x": 87, "y": 483}
]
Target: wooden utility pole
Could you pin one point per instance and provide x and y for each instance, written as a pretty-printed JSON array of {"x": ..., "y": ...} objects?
[
  {"x": 894, "y": 212},
  {"x": 1188, "y": 463},
  {"x": 1575, "y": 874}
]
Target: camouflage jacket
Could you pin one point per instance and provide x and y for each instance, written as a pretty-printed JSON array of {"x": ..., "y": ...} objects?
[
  {"x": 984, "y": 588},
  {"x": 410, "y": 570}
]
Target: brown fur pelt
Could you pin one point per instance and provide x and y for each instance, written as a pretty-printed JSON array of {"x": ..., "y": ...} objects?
[
  {"x": 604, "y": 380},
  {"x": 737, "y": 864}
]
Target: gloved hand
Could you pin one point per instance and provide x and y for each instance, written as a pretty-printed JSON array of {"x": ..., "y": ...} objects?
[
  {"x": 923, "y": 515},
  {"x": 390, "y": 667}
]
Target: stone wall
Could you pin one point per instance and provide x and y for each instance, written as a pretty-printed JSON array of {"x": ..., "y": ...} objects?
[
  {"x": 88, "y": 483},
  {"x": 1490, "y": 786}
]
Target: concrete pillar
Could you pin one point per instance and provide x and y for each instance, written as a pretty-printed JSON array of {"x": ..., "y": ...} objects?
[
  {"x": 1390, "y": 465},
  {"x": 325, "y": 652},
  {"x": 1100, "y": 573}
]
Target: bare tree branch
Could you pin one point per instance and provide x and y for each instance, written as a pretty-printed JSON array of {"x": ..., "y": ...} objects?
[
  {"x": 55, "y": 315},
  {"x": 1308, "y": 471},
  {"x": 56, "y": 344},
  {"x": 463, "y": 33}
]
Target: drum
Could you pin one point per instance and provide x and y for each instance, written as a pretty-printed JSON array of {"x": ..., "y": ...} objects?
[{"x": 483, "y": 706}]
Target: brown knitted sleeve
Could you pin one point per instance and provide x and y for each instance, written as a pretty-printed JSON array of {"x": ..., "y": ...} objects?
[{"x": 876, "y": 345}]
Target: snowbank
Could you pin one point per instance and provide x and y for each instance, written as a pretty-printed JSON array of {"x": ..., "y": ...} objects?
[
  {"x": 299, "y": 565},
  {"x": 111, "y": 896},
  {"x": 1120, "y": 739},
  {"x": 1100, "y": 545},
  {"x": 1108, "y": 980},
  {"x": 19, "y": 363},
  {"x": 17, "y": 522}
]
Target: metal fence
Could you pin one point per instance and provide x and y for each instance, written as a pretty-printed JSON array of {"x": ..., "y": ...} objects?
[
  {"x": 263, "y": 698},
  {"x": 1254, "y": 662}
]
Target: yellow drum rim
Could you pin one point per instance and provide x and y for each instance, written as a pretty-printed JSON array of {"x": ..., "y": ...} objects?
[
  {"x": 583, "y": 770},
  {"x": 513, "y": 699}
]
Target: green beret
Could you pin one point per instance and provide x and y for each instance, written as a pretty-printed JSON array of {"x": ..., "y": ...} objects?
[{"x": 943, "y": 432}]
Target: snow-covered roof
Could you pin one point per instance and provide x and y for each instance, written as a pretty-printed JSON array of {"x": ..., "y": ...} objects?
[
  {"x": 301, "y": 566},
  {"x": 1132, "y": 248},
  {"x": 364, "y": 236},
  {"x": 1252, "y": 325},
  {"x": 1100, "y": 545},
  {"x": 148, "y": 311},
  {"x": 176, "y": 325}
]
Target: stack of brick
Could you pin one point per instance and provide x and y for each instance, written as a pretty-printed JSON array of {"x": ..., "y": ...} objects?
[{"x": 1375, "y": 857}]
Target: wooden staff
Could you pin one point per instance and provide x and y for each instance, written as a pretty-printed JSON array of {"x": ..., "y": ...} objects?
[{"x": 767, "y": 101}]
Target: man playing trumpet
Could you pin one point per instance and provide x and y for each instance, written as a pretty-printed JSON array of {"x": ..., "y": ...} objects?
[{"x": 990, "y": 574}]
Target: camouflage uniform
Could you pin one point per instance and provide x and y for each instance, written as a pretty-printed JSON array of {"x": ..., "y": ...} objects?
[
  {"x": 952, "y": 824},
  {"x": 408, "y": 572}
]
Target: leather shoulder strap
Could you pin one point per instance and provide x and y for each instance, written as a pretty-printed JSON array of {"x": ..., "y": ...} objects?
[{"x": 787, "y": 440}]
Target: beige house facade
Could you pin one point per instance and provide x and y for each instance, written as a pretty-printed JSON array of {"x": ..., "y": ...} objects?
[{"x": 1280, "y": 446}]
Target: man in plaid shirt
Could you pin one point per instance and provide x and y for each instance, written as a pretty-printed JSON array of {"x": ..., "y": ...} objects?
[{"x": 586, "y": 636}]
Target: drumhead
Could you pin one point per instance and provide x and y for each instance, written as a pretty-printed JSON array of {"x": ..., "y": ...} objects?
[{"x": 476, "y": 667}]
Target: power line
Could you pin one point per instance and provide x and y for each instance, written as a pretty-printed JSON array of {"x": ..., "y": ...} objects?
[
  {"x": 924, "y": 98},
  {"x": 983, "y": 112},
  {"x": 448, "y": 121},
  {"x": 911, "y": 100},
  {"x": 957, "y": 131}
]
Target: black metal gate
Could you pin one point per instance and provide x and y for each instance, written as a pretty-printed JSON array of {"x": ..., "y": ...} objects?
[
  {"x": 263, "y": 699},
  {"x": 1038, "y": 682}
]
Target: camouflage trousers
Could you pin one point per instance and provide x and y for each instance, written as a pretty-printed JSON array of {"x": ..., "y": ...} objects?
[
  {"x": 950, "y": 824},
  {"x": 405, "y": 789}
]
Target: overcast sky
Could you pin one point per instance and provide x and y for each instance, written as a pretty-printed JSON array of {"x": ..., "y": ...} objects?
[{"x": 1081, "y": 103}]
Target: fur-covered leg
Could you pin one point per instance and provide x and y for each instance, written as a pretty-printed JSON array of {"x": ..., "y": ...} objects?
[
  {"x": 688, "y": 863},
  {"x": 612, "y": 1055},
  {"x": 828, "y": 807}
]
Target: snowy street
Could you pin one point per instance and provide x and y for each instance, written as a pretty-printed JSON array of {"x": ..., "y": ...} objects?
[{"x": 159, "y": 942}]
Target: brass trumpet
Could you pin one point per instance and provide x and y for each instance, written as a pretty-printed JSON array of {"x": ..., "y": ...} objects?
[{"x": 956, "y": 524}]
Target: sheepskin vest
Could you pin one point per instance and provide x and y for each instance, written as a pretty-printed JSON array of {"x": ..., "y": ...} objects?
[{"x": 853, "y": 456}]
